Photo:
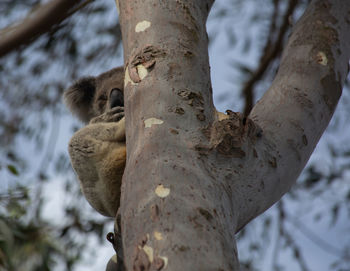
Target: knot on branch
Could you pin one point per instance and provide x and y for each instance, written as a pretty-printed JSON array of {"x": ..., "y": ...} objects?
[
  {"x": 228, "y": 135},
  {"x": 116, "y": 263}
]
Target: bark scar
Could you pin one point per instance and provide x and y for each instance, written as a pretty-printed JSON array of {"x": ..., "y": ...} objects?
[
  {"x": 147, "y": 58},
  {"x": 141, "y": 259}
]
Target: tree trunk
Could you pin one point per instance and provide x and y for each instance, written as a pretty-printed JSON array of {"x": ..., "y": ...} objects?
[{"x": 193, "y": 178}]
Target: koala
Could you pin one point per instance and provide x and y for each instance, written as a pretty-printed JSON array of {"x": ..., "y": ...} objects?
[{"x": 97, "y": 151}]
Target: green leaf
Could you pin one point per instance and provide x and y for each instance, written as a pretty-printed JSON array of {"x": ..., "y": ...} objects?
[
  {"x": 13, "y": 169},
  {"x": 15, "y": 209}
]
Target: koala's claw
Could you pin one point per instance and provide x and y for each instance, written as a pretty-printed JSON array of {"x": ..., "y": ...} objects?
[
  {"x": 113, "y": 115},
  {"x": 117, "y": 109}
]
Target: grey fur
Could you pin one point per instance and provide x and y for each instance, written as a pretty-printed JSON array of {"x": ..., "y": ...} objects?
[{"x": 97, "y": 151}]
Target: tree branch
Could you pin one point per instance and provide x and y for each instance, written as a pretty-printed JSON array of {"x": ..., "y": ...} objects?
[
  {"x": 297, "y": 108},
  {"x": 39, "y": 21}
]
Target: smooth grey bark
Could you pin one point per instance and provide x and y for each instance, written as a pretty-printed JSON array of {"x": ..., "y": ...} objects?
[
  {"x": 297, "y": 108},
  {"x": 194, "y": 178}
]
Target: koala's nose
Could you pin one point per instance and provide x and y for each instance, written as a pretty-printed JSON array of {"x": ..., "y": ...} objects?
[{"x": 116, "y": 98}]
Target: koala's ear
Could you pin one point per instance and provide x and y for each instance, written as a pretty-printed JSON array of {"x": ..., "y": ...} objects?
[{"x": 79, "y": 97}]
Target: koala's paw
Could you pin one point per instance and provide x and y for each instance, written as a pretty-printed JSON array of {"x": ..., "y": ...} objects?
[{"x": 113, "y": 115}]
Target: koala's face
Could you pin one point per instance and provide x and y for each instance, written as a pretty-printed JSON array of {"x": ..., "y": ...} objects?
[
  {"x": 109, "y": 93},
  {"x": 90, "y": 97}
]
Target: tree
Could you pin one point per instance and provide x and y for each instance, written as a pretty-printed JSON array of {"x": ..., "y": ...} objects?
[
  {"x": 191, "y": 179},
  {"x": 61, "y": 45}
]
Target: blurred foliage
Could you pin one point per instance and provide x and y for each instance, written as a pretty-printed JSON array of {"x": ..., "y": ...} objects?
[
  {"x": 31, "y": 84},
  {"x": 33, "y": 122},
  {"x": 30, "y": 242}
]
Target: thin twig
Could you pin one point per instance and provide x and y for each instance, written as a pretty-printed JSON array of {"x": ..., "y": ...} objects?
[
  {"x": 291, "y": 240},
  {"x": 322, "y": 244},
  {"x": 271, "y": 52}
]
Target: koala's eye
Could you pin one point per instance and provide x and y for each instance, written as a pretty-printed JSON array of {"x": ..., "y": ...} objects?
[
  {"x": 102, "y": 98},
  {"x": 101, "y": 103},
  {"x": 116, "y": 98}
]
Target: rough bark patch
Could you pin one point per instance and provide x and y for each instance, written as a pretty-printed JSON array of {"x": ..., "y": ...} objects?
[
  {"x": 195, "y": 100},
  {"x": 227, "y": 136}
]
